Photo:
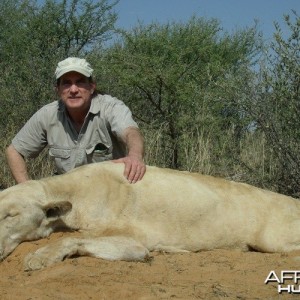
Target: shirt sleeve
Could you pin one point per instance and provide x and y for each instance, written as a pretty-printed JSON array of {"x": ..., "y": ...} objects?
[
  {"x": 32, "y": 138},
  {"x": 120, "y": 117}
]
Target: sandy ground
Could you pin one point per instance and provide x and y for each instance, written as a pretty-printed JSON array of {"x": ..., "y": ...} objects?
[{"x": 214, "y": 274}]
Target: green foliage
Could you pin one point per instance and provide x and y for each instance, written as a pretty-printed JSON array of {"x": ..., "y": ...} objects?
[
  {"x": 277, "y": 106},
  {"x": 174, "y": 78},
  {"x": 37, "y": 37}
]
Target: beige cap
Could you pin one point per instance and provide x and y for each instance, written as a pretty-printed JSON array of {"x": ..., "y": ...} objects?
[{"x": 75, "y": 64}]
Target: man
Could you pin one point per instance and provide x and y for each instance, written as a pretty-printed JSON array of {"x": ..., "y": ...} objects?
[{"x": 81, "y": 128}]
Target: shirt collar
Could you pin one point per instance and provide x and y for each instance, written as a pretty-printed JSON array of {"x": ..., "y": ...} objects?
[{"x": 95, "y": 107}]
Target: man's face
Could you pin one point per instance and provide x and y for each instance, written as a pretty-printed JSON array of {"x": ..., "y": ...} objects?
[{"x": 75, "y": 90}]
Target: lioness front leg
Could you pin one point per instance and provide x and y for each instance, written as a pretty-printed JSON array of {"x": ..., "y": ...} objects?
[{"x": 110, "y": 248}]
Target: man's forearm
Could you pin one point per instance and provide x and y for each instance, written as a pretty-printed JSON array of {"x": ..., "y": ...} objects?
[
  {"x": 17, "y": 164},
  {"x": 134, "y": 142}
]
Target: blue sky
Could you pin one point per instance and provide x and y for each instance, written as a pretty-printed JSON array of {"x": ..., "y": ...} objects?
[{"x": 233, "y": 14}]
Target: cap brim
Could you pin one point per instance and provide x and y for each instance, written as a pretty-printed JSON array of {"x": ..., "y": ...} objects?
[{"x": 72, "y": 69}]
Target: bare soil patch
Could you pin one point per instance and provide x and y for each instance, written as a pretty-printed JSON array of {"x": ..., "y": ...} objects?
[{"x": 214, "y": 274}]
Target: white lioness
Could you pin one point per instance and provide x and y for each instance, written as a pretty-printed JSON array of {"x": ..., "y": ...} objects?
[{"x": 168, "y": 210}]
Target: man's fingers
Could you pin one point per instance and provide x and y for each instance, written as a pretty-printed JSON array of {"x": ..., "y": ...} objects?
[
  {"x": 128, "y": 171},
  {"x": 135, "y": 172},
  {"x": 134, "y": 169}
]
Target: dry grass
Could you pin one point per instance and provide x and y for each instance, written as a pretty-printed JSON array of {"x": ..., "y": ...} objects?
[
  {"x": 198, "y": 153},
  {"x": 251, "y": 161}
]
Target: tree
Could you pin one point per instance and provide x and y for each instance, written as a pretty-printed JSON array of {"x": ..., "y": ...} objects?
[
  {"x": 173, "y": 77},
  {"x": 34, "y": 38},
  {"x": 277, "y": 106}
]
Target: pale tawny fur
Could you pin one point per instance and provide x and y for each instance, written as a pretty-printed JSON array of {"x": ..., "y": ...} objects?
[{"x": 168, "y": 210}]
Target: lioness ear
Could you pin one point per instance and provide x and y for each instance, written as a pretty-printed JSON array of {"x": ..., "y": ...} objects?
[{"x": 57, "y": 209}]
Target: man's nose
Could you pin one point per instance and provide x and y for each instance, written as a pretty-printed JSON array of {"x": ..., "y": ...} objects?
[{"x": 73, "y": 88}]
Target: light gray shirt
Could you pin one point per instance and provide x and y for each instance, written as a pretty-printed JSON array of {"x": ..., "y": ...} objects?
[{"x": 99, "y": 138}]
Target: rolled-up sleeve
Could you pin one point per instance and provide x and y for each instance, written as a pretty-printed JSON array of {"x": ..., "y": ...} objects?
[
  {"x": 120, "y": 118},
  {"x": 32, "y": 138}
]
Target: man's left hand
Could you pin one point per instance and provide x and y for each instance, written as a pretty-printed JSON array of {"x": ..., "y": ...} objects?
[{"x": 135, "y": 168}]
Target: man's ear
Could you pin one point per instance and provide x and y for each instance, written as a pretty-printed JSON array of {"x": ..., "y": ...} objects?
[
  {"x": 93, "y": 87},
  {"x": 56, "y": 88},
  {"x": 55, "y": 210}
]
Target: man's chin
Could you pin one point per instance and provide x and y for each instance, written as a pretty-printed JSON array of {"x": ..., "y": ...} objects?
[{"x": 74, "y": 103}]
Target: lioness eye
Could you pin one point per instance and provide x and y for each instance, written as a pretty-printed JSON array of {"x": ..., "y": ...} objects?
[{"x": 10, "y": 215}]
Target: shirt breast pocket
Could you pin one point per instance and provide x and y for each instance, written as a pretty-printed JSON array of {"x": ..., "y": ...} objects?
[
  {"x": 99, "y": 153},
  {"x": 62, "y": 159}
]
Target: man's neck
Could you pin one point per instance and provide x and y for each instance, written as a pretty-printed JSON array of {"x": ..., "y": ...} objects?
[{"x": 77, "y": 119}]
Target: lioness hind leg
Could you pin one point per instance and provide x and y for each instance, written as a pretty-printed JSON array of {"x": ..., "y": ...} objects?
[{"x": 110, "y": 248}]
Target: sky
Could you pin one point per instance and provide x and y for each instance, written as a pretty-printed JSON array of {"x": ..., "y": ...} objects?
[{"x": 232, "y": 14}]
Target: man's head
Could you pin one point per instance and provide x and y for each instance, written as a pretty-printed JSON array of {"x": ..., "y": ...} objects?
[{"x": 75, "y": 85}]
